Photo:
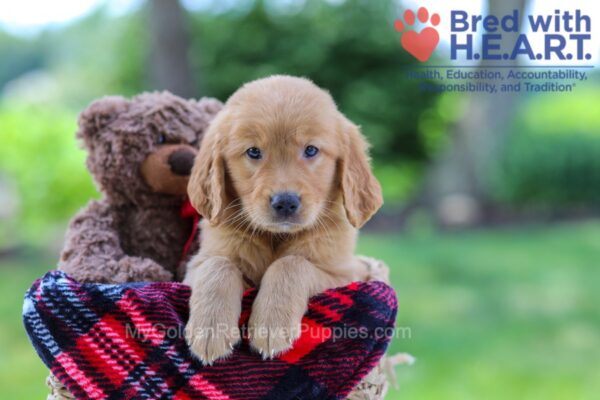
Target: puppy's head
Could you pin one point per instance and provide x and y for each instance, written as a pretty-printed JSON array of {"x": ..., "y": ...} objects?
[{"x": 279, "y": 156}]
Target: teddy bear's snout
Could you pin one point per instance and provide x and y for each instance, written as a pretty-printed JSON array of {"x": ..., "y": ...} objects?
[{"x": 181, "y": 162}]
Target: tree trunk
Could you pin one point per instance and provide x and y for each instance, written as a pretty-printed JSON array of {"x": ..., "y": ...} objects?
[
  {"x": 169, "y": 41},
  {"x": 455, "y": 187}
]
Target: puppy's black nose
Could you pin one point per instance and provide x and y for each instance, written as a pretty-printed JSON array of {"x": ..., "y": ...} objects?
[
  {"x": 181, "y": 162},
  {"x": 285, "y": 204}
]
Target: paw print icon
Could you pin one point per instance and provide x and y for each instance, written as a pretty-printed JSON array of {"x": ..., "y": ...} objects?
[{"x": 419, "y": 44}]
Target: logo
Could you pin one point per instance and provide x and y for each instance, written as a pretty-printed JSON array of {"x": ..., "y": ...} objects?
[
  {"x": 563, "y": 35},
  {"x": 520, "y": 50},
  {"x": 419, "y": 44}
]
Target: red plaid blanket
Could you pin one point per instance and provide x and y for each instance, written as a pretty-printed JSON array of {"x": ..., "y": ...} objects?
[{"x": 126, "y": 342}]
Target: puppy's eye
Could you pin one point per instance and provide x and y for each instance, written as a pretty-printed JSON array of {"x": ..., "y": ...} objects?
[
  {"x": 254, "y": 153},
  {"x": 310, "y": 151},
  {"x": 161, "y": 139}
]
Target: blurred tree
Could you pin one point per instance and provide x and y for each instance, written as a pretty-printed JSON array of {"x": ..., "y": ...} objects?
[
  {"x": 455, "y": 188},
  {"x": 18, "y": 56},
  {"x": 169, "y": 43}
]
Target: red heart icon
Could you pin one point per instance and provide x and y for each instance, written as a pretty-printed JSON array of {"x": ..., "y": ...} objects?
[{"x": 421, "y": 44}]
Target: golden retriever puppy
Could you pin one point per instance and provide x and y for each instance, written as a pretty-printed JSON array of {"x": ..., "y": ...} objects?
[{"x": 283, "y": 182}]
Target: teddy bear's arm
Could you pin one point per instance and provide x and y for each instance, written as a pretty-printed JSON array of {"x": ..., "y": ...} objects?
[{"x": 93, "y": 253}]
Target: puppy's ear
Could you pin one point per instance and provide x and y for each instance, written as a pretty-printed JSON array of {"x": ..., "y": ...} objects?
[
  {"x": 206, "y": 187},
  {"x": 360, "y": 189}
]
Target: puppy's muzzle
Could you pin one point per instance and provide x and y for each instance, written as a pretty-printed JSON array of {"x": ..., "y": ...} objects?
[{"x": 285, "y": 204}]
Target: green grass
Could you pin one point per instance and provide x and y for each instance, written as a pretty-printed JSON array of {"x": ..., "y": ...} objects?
[
  {"x": 22, "y": 373},
  {"x": 508, "y": 314},
  {"x": 505, "y": 314}
]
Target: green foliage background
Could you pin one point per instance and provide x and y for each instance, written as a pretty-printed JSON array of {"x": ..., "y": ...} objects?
[
  {"x": 553, "y": 157},
  {"x": 52, "y": 180},
  {"x": 349, "y": 49},
  {"x": 550, "y": 161}
]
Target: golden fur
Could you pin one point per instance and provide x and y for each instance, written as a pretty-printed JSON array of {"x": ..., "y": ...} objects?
[{"x": 290, "y": 260}]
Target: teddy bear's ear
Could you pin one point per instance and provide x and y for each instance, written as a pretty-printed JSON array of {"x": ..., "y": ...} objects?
[
  {"x": 98, "y": 115},
  {"x": 209, "y": 106}
]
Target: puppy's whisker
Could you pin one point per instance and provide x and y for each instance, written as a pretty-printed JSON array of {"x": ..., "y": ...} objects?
[
  {"x": 321, "y": 227},
  {"x": 244, "y": 222},
  {"x": 238, "y": 215},
  {"x": 234, "y": 220},
  {"x": 234, "y": 203},
  {"x": 332, "y": 216},
  {"x": 332, "y": 221},
  {"x": 241, "y": 223},
  {"x": 325, "y": 221},
  {"x": 251, "y": 217},
  {"x": 256, "y": 226}
]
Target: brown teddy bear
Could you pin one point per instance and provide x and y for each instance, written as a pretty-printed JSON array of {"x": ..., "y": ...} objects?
[{"x": 140, "y": 153}]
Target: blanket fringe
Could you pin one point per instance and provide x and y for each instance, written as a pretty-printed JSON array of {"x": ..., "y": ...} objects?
[{"x": 57, "y": 390}]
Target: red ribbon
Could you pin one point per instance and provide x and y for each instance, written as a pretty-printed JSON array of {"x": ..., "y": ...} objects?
[{"x": 188, "y": 211}]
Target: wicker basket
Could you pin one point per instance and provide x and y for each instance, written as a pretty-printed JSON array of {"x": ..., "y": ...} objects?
[{"x": 374, "y": 386}]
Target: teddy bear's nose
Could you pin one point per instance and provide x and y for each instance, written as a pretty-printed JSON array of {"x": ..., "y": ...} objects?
[{"x": 181, "y": 162}]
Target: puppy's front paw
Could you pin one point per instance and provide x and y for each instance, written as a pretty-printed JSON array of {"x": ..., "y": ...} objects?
[
  {"x": 212, "y": 337},
  {"x": 273, "y": 330}
]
